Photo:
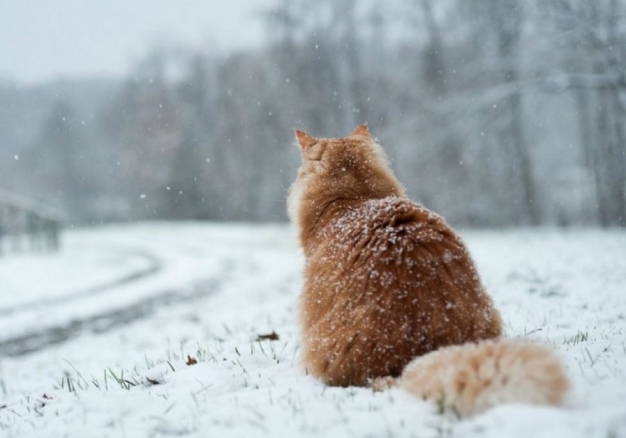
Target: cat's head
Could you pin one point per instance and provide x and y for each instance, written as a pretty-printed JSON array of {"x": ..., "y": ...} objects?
[{"x": 346, "y": 168}]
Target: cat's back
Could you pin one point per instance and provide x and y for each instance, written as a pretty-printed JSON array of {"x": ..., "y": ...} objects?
[
  {"x": 391, "y": 231},
  {"x": 389, "y": 276}
]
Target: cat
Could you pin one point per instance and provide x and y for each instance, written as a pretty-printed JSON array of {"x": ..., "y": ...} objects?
[{"x": 391, "y": 295}]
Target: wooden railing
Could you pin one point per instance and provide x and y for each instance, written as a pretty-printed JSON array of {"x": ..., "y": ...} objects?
[{"x": 27, "y": 225}]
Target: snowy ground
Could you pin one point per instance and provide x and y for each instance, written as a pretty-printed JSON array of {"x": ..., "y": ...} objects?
[{"x": 96, "y": 341}]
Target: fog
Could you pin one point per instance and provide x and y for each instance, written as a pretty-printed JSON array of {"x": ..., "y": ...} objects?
[{"x": 494, "y": 113}]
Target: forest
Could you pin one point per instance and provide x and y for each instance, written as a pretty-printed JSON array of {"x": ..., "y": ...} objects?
[{"x": 494, "y": 113}]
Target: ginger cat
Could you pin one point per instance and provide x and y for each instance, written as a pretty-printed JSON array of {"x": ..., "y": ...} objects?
[{"x": 388, "y": 282}]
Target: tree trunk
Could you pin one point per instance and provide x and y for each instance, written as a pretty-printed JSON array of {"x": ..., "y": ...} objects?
[{"x": 509, "y": 19}]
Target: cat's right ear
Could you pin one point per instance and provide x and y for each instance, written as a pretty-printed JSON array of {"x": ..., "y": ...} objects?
[
  {"x": 362, "y": 131},
  {"x": 305, "y": 140}
]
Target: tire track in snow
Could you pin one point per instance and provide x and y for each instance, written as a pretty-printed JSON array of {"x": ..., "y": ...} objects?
[
  {"x": 155, "y": 265},
  {"x": 110, "y": 319},
  {"x": 153, "y": 298}
]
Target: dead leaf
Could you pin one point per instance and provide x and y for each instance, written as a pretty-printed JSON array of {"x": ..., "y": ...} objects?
[
  {"x": 269, "y": 337},
  {"x": 191, "y": 360}
]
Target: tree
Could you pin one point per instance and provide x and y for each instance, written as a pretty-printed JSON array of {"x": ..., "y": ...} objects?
[{"x": 596, "y": 32}]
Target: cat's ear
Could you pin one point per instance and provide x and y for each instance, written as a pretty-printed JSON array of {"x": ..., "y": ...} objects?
[
  {"x": 362, "y": 131},
  {"x": 305, "y": 140}
]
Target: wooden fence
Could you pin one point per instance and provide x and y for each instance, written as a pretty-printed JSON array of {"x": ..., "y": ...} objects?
[{"x": 27, "y": 225}]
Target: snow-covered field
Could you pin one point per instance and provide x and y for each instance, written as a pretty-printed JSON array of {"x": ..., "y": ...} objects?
[{"x": 101, "y": 340}]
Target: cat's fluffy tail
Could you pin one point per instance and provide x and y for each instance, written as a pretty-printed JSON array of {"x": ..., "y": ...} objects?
[{"x": 474, "y": 377}]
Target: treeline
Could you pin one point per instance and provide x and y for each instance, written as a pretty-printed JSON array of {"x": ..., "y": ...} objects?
[{"x": 493, "y": 112}]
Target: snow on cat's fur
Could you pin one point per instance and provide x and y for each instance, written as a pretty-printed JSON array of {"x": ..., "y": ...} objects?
[{"x": 387, "y": 282}]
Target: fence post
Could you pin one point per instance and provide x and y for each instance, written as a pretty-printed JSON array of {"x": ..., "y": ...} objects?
[
  {"x": 14, "y": 227},
  {"x": 24, "y": 227},
  {"x": 2, "y": 221}
]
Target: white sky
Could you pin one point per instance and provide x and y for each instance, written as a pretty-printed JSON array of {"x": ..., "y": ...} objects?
[{"x": 46, "y": 39}]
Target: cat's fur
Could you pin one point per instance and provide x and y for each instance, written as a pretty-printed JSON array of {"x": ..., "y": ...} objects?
[{"x": 387, "y": 281}]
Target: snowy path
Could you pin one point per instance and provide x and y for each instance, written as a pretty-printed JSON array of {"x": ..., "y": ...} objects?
[
  {"x": 100, "y": 281},
  {"x": 136, "y": 301}
]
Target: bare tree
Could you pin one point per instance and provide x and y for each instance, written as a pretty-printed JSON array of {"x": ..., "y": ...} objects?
[{"x": 595, "y": 34}]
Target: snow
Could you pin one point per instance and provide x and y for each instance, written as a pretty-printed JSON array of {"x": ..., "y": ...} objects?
[{"x": 207, "y": 291}]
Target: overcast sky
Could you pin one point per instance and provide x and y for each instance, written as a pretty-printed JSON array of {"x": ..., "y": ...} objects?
[{"x": 46, "y": 39}]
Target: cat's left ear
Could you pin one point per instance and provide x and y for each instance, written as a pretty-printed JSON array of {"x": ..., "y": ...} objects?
[
  {"x": 305, "y": 140},
  {"x": 362, "y": 131}
]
